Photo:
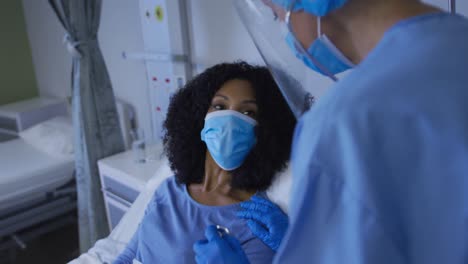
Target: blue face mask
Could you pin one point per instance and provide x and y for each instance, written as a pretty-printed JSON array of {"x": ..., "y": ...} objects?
[
  {"x": 229, "y": 137},
  {"x": 315, "y": 7},
  {"x": 323, "y": 51}
]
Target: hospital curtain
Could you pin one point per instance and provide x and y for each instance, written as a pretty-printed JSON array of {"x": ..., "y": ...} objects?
[{"x": 95, "y": 119}]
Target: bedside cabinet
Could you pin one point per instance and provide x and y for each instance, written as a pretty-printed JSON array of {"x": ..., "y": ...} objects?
[{"x": 122, "y": 180}]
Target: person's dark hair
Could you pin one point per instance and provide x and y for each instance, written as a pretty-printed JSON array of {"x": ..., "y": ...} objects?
[{"x": 185, "y": 120}]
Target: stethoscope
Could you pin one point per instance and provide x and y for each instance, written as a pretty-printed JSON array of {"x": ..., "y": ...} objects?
[{"x": 222, "y": 231}]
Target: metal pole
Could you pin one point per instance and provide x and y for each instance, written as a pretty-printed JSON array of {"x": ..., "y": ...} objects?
[
  {"x": 185, "y": 29},
  {"x": 452, "y": 6}
]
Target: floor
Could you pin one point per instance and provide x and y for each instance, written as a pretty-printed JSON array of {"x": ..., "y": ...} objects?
[{"x": 57, "y": 247}]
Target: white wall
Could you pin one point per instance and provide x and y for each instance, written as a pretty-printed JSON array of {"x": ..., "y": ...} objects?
[
  {"x": 461, "y": 5},
  {"x": 218, "y": 35},
  {"x": 120, "y": 30},
  {"x": 50, "y": 58}
]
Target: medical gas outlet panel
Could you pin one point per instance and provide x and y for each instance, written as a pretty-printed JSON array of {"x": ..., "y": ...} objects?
[{"x": 166, "y": 55}]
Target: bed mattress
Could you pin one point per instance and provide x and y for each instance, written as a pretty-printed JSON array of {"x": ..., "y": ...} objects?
[{"x": 27, "y": 173}]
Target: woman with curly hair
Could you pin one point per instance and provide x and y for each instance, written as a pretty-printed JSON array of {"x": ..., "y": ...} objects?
[{"x": 228, "y": 132}]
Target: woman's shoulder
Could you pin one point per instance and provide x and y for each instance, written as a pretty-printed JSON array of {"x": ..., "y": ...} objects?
[{"x": 167, "y": 189}]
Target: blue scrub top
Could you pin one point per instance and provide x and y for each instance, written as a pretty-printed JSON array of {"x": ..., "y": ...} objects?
[
  {"x": 173, "y": 222},
  {"x": 380, "y": 163}
]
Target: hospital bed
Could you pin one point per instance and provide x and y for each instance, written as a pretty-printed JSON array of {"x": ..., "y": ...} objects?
[
  {"x": 37, "y": 189},
  {"x": 37, "y": 193},
  {"x": 107, "y": 249},
  {"x": 26, "y": 173}
]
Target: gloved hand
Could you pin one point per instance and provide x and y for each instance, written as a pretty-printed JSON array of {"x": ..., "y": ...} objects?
[
  {"x": 266, "y": 220},
  {"x": 224, "y": 249}
]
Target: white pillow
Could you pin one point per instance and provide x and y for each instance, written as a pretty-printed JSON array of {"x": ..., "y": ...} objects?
[
  {"x": 280, "y": 190},
  {"x": 54, "y": 137}
]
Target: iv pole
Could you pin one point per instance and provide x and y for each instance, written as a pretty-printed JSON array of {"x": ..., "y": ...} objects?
[{"x": 452, "y": 6}]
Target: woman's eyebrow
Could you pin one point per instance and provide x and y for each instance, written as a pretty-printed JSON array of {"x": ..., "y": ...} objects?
[
  {"x": 222, "y": 96},
  {"x": 250, "y": 102}
]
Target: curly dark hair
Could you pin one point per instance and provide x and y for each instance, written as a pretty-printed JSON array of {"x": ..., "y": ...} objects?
[{"x": 185, "y": 120}]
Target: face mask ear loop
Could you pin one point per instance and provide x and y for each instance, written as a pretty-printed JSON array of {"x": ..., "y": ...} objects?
[{"x": 323, "y": 69}]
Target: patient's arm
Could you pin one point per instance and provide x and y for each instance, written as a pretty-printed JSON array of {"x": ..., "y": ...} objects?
[
  {"x": 127, "y": 256},
  {"x": 130, "y": 252}
]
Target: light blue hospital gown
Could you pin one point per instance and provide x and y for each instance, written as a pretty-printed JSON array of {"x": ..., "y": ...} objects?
[
  {"x": 380, "y": 164},
  {"x": 173, "y": 222}
]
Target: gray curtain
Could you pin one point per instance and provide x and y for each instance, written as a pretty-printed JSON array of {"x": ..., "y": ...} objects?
[{"x": 97, "y": 132}]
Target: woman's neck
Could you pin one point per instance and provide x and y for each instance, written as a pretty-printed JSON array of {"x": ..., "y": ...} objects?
[
  {"x": 215, "y": 179},
  {"x": 216, "y": 188}
]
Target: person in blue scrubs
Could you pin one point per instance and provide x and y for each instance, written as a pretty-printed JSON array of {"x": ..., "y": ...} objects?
[
  {"x": 228, "y": 132},
  {"x": 380, "y": 162}
]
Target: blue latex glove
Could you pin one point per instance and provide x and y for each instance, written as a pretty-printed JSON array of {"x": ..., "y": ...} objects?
[
  {"x": 266, "y": 220},
  {"x": 224, "y": 249}
]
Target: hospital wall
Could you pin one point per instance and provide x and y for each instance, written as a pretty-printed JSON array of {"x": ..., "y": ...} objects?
[
  {"x": 461, "y": 5},
  {"x": 17, "y": 80},
  {"x": 216, "y": 31},
  {"x": 51, "y": 61},
  {"x": 120, "y": 30},
  {"x": 218, "y": 35}
]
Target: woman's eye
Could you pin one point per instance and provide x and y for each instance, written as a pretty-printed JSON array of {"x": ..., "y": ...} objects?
[
  {"x": 249, "y": 113},
  {"x": 217, "y": 107}
]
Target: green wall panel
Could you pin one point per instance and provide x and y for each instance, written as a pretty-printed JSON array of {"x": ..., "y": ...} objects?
[{"x": 17, "y": 79}]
